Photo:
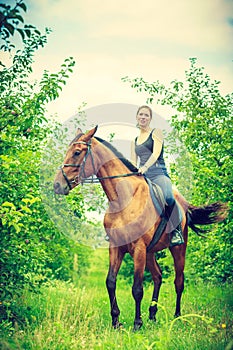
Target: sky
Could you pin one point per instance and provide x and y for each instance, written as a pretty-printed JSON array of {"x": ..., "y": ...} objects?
[{"x": 113, "y": 39}]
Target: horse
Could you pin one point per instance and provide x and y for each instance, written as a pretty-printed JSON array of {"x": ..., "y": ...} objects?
[{"x": 131, "y": 218}]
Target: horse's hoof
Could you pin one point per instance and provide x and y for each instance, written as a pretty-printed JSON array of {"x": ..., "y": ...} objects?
[
  {"x": 117, "y": 325},
  {"x": 153, "y": 311},
  {"x": 178, "y": 314},
  {"x": 152, "y": 318},
  {"x": 137, "y": 325}
]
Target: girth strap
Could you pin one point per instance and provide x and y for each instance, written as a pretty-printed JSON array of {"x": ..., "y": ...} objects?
[{"x": 157, "y": 234}]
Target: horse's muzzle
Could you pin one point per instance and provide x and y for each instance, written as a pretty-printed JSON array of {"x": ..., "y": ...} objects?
[{"x": 58, "y": 189}]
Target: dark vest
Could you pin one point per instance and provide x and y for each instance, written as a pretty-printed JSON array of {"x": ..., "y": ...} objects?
[{"x": 144, "y": 151}]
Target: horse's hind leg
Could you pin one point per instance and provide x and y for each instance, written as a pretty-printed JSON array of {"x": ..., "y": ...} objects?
[
  {"x": 115, "y": 260},
  {"x": 139, "y": 257},
  {"x": 156, "y": 274},
  {"x": 178, "y": 253}
]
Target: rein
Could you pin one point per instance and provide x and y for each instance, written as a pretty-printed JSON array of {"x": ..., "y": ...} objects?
[
  {"x": 97, "y": 179},
  {"x": 83, "y": 178}
]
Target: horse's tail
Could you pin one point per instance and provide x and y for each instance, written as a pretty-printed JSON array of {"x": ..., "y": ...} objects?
[{"x": 205, "y": 215}]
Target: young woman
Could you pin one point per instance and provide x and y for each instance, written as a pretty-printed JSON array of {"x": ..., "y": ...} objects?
[{"x": 148, "y": 147}]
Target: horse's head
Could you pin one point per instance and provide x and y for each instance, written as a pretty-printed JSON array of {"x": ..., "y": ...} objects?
[{"x": 78, "y": 163}]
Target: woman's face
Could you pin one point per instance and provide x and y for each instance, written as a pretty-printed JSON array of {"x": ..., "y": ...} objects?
[{"x": 143, "y": 118}]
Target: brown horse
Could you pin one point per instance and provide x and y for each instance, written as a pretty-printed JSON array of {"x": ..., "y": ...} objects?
[{"x": 131, "y": 218}]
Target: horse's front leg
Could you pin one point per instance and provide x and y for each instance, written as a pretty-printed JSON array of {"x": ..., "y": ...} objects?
[
  {"x": 137, "y": 289},
  {"x": 115, "y": 260}
]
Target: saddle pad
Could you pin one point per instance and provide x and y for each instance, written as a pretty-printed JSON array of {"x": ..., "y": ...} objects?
[
  {"x": 160, "y": 206},
  {"x": 157, "y": 197}
]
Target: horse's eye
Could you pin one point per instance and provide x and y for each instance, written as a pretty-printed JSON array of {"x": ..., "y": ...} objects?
[{"x": 77, "y": 153}]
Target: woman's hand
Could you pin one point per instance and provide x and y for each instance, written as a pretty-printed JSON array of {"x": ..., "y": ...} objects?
[{"x": 142, "y": 169}]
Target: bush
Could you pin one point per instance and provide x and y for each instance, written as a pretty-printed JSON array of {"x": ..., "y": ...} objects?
[{"x": 32, "y": 249}]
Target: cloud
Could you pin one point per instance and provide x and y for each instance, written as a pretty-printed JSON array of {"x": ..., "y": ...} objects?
[
  {"x": 97, "y": 79},
  {"x": 151, "y": 39},
  {"x": 197, "y": 24},
  {"x": 203, "y": 25}
]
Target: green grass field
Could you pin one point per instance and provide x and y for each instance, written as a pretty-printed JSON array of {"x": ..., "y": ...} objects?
[{"x": 68, "y": 317}]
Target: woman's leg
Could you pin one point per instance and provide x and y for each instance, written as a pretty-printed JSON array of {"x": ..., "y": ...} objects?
[{"x": 175, "y": 218}]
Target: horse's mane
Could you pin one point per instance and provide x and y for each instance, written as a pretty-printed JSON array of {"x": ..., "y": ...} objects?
[{"x": 119, "y": 155}]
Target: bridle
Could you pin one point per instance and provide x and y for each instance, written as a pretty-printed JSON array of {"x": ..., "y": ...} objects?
[
  {"x": 82, "y": 174},
  {"x": 82, "y": 178}
]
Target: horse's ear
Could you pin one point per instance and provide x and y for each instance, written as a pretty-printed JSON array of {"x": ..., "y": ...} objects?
[
  {"x": 79, "y": 131},
  {"x": 90, "y": 133}
]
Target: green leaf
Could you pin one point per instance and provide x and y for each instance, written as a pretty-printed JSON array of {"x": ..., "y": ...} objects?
[
  {"x": 8, "y": 204},
  {"x": 20, "y": 18},
  {"x": 23, "y": 6},
  {"x": 16, "y": 227},
  {"x": 10, "y": 28},
  {"x": 21, "y": 32},
  {"x": 28, "y": 32},
  {"x": 26, "y": 209}
]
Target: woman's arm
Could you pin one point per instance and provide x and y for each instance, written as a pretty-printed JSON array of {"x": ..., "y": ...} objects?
[{"x": 157, "y": 148}]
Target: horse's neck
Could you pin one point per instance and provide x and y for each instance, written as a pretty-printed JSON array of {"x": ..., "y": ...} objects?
[
  {"x": 109, "y": 165},
  {"x": 112, "y": 186}
]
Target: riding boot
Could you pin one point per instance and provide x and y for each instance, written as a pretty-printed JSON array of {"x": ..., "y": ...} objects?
[{"x": 176, "y": 236}]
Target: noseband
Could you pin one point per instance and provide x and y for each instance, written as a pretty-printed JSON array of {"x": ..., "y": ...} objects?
[{"x": 82, "y": 174}]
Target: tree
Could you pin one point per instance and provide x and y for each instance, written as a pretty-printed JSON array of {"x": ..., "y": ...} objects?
[
  {"x": 203, "y": 122},
  {"x": 32, "y": 249},
  {"x": 11, "y": 21}
]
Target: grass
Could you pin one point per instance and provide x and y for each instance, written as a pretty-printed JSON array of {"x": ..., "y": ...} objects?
[{"x": 65, "y": 317}]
